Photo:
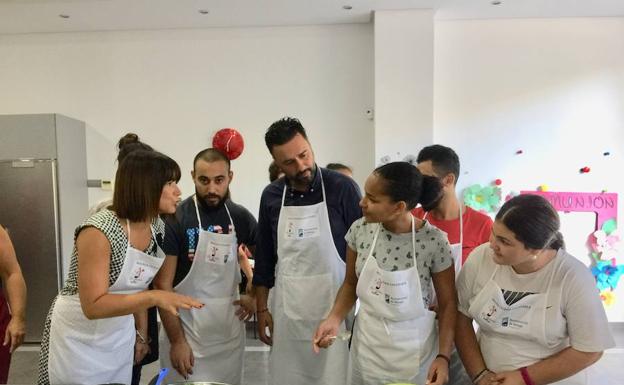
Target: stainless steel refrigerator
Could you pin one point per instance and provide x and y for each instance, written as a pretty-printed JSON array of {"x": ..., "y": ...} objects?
[{"x": 43, "y": 197}]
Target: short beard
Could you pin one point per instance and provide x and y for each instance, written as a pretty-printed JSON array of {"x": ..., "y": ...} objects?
[
  {"x": 208, "y": 203},
  {"x": 304, "y": 180}
]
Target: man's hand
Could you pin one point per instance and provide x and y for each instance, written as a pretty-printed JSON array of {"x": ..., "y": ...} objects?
[
  {"x": 265, "y": 319},
  {"x": 182, "y": 359}
]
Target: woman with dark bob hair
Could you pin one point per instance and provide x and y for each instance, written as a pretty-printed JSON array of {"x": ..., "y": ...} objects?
[
  {"x": 539, "y": 313},
  {"x": 89, "y": 333}
]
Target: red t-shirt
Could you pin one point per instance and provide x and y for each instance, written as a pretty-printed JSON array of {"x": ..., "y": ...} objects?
[{"x": 477, "y": 228}]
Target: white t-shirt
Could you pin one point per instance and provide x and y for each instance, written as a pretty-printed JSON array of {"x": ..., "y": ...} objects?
[
  {"x": 574, "y": 309},
  {"x": 393, "y": 252}
]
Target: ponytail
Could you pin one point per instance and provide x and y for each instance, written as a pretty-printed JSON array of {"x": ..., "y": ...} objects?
[
  {"x": 557, "y": 242},
  {"x": 403, "y": 182}
]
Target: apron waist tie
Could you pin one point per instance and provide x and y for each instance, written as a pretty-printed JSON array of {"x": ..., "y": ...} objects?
[{"x": 385, "y": 325}]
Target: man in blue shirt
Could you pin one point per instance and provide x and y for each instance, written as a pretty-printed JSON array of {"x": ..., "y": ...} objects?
[{"x": 300, "y": 252}]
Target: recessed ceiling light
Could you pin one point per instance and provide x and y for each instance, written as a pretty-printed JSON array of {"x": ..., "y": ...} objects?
[
  {"x": 64, "y": 16},
  {"x": 497, "y": 2},
  {"x": 347, "y": 7},
  {"x": 204, "y": 11}
]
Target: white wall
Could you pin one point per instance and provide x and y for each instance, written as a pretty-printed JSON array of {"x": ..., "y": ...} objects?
[
  {"x": 176, "y": 88},
  {"x": 403, "y": 82},
  {"x": 553, "y": 88}
]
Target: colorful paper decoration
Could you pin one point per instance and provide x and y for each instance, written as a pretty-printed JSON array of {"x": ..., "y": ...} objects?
[
  {"x": 229, "y": 141},
  {"x": 609, "y": 226},
  {"x": 542, "y": 188},
  {"x": 605, "y": 243},
  {"x": 584, "y": 170},
  {"x": 607, "y": 297},
  {"x": 485, "y": 199},
  {"x": 606, "y": 249},
  {"x": 607, "y": 274},
  {"x": 498, "y": 182}
]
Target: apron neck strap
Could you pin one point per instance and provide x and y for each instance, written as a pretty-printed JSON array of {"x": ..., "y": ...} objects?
[
  {"x": 197, "y": 211},
  {"x": 229, "y": 215},
  {"x": 413, "y": 239},
  {"x": 379, "y": 225},
  {"x": 199, "y": 217},
  {"x": 461, "y": 223},
  {"x": 555, "y": 269},
  {"x": 372, "y": 249},
  {"x": 128, "y": 228},
  {"x": 461, "y": 226}
]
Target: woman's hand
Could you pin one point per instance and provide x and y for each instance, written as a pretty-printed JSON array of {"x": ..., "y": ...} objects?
[
  {"x": 506, "y": 378},
  {"x": 15, "y": 332},
  {"x": 438, "y": 372},
  {"x": 247, "y": 307},
  {"x": 328, "y": 328},
  {"x": 171, "y": 302}
]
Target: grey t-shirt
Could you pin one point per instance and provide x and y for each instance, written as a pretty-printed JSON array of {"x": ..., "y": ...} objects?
[
  {"x": 393, "y": 252},
  {"x": 574, "y": 313}
]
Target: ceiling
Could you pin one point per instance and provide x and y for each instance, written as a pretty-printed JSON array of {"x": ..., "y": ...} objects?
[{"x": 29, "y": 16}]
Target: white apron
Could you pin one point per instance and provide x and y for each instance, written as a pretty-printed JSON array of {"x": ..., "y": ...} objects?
[
  {"x": 395, "y": 338},
  {"x": 84, "y": 351},
  {"x": 513, "y": 336},
  {"x": 456, "y": 248},
  {"x": 309, "y": 273},
  {"x": 457, "y": 372},
  {"x": 214, "y": 332}
]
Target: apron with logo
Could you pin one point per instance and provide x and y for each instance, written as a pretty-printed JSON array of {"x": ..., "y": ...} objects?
[
  {"x": 214, "y": 332},
  {"x": 513, "y": 336},
  {"x": 395, "y": 338},
  {"x": 84, "y": 351},
  {"x": 309, "y": 273}
]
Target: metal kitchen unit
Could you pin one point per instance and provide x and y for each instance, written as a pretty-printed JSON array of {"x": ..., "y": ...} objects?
[{"x": 43, "y": 197}]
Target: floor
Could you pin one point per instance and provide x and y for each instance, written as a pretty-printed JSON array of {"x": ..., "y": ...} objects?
[{"x": 608, "y": 371}]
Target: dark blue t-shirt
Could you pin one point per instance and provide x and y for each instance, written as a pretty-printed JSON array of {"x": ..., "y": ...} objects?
[
  {"x": 343, "y": 197},
  {"x": 182, "y": 230}
]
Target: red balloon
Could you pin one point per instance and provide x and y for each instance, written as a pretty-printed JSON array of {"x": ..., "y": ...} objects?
[{"x": 229, "y": 141}]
